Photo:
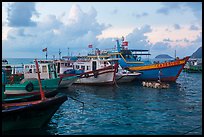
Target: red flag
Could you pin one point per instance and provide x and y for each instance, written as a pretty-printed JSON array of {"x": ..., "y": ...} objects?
[
  {"x": 125, "y": 43},
  {"x": 90, "y": 46},
  {"x": 45, "y": 49}
]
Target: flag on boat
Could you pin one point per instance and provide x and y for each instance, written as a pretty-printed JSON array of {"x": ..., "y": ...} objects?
[
  {"x": 125, "y": 43},
  {"x": 45, "y": 49},
  {"x": 90, "y": 46}
]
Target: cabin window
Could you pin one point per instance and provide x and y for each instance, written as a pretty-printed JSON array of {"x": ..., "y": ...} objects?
[
  {"x": 30, "y": 70},
  {"x": 77, "y": 66},
  {"x": 83, "y": 67},
  {"x": 44, "y": 69},
  {"x": 65, "y": 64}
]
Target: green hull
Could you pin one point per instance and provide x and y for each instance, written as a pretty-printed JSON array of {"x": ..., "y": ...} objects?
[
  {"x": 193, "y": 69},
  {"x": 46, "y": 84}
]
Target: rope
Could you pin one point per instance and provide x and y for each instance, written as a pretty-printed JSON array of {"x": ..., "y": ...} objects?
[
  {"x": 82, "y": 102},
  {"x": 192, "y": 130},
  {"x": 78, "y": 101}
]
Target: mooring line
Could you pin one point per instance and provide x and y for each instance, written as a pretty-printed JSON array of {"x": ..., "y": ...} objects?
[
  {"x": 192, "y": 130},
  {"x": 82, "y": 102}
]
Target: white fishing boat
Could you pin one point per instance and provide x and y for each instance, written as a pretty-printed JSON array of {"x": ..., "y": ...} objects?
[
  {"x": 4, "y": 61},
  {"x": 96, "y": 71},
  {"x": 62, "y": 66},
  {"x": 123, "y": 76}
]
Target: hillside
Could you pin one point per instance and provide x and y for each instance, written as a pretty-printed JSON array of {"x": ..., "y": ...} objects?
[
  {"x": 197, "y": 53},
  {"x": 163, "y": 56}
]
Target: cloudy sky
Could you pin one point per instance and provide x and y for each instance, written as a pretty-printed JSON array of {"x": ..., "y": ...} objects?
[{"x": 160, "y": 27}]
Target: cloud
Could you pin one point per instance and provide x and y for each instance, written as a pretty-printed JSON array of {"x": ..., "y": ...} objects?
[
  {"x": 138, "y": 39},
  {"x": 76, "y": 31},
  {"x": 115, "y": 11},
  {"x": 198, "y": 40},
  {"x": 167, "y": 40},
  {"x": 168, "y": 7},
  {"x": 160, "y": 46},
  {"x": 20, "y": 14},
  {"x": 193, "y": 27},
  {"x": 196, "y": 8},
  {"x": 140, "y": 15},
  {"x": 177, "y": 26}
]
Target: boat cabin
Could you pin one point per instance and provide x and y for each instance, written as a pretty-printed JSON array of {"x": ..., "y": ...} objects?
[
  {"x": 4, "y": 61},
  {"x": 90, "y": 63},
  {"x": 47, "y": 71},
  {"x": 61, "y": 65}
]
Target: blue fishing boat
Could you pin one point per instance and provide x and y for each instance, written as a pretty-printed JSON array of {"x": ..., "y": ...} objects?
[{"x": 135, "y": 61}]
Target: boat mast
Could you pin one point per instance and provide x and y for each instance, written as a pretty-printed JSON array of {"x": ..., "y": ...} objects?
[
  {"x": 59, "y": 54},
  {"x": 118, "y": 45}
]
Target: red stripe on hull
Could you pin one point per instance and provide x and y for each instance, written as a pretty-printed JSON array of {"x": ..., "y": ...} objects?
[
  {"x": 97, "y": 84},
  {"x": 169, "y": 79}
]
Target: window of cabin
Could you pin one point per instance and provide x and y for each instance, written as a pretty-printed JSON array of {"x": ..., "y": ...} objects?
[
  {"x": 44, "y": 69},
  {"x": 77, "y": 66},
  {"x": 83, "y": 67},
  {"x": 65, "y": 64},
  {"x": 30, "y": 70}
]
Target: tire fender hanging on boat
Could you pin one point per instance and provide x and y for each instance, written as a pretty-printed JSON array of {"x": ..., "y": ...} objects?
[{"x": 29, "y": 87}]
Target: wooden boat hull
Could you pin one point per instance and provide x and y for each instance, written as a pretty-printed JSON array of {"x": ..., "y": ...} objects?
[
  {"x": 21, "y": 88},
  {"x": 124, "y": 78},
  {"x": 29, "y": 96},
  {"x": 98, "y": 77},
  {"x": 193, "y": 69},
  {"x": 169, "y": 70},
  {"x": 67, "y": 81},
  {"x": 32, "y": 115}
]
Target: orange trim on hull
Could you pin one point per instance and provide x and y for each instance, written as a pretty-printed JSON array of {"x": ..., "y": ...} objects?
[{"x": 161, "y": 65}]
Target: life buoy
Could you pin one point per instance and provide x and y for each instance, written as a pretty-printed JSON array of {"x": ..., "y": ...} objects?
[
  {"x": 95, "y": 74},
  {"x": 29, "y": 87}
]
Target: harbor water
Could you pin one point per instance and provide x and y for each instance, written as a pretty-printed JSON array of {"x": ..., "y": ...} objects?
[{"x": 129, "y": 109}]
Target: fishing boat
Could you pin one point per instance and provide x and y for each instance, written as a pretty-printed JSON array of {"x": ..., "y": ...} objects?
[
  {"x": 124, "y": 76},
  {"x": 62, "y": 69},
  {"x": 193, "y": 66},
  {"x": 4, "y": 61},
  {"x": 95, "y": 70},
  {"x": 29, "y": 115},
  {"x": 138, "y": 61},
  {"x": 26, "y": 84}
]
